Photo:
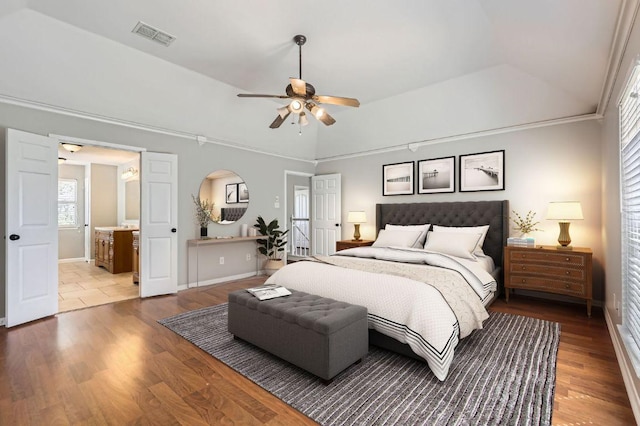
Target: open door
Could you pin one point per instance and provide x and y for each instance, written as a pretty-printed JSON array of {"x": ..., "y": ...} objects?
[
  {"x": 32, "y": 227},
  {"x": 326, "y": 195},
  {"x": 158, "y": 224}
]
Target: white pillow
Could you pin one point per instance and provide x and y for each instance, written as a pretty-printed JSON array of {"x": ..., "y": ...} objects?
[
  {"x": 422, "y": 228},
  {"x": 482, "y": 230},
  {"x": 393, "y": 238},
  {"x": 459, "y": 244}
]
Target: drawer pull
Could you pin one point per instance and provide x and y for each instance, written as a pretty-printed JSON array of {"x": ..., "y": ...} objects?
[
  {"x": 567, "y": 286},
  {"x": 567, "y": 259},
  {"x": 568, "y": 273},
  {"x": 524, "y": 268},
  {"x": 524, "y": 280}
]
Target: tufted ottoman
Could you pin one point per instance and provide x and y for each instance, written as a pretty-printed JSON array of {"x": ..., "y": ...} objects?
[{"x": 320, "y": 335}]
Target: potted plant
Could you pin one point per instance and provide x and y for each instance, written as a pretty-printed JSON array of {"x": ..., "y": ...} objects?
[
  {"x": 272, "y": 246},
  {"x": 204, "y": 214}
]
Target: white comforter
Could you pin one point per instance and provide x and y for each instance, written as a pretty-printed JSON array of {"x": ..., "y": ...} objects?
[{"x": 429, "y": 303}]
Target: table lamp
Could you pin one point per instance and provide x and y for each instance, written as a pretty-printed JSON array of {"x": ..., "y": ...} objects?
[
  {"x": 563, "y": 212},
  {"x": 356, "y": 218}
]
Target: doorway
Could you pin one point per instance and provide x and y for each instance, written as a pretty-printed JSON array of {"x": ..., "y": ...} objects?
[
  {"x": 98, "y": 189},
  {"x": 297, "y": 214}
]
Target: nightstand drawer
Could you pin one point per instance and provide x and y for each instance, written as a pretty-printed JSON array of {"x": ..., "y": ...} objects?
[
  {"x": 569, "y": 288},
  {"x": 546, "y": 257},
  {"x": 548, "y": 271}
]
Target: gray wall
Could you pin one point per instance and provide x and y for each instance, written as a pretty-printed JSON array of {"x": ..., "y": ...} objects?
[
  {"x": 263, "y": 174},
  {"x": 104, "y": 198},
  {"x": 557, "y": 163}
]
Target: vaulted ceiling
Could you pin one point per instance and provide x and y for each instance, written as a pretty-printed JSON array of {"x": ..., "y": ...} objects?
[{"x": 422, "y": 70}]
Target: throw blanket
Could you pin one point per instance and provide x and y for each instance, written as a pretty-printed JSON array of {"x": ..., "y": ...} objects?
[{"x": 429, "y": 308}]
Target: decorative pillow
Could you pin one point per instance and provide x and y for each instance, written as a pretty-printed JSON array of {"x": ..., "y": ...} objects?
[
  {"x": 482, "y": 230},
  {"x": 422, "y": 228},
  {"x": 393, "y": 238},
  {"x": 459, "y": 244}
]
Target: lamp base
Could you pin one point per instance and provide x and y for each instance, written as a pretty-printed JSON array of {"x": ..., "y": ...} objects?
[
  {"x": 560, "y": 247},
  {"x": 564, "y": 239},
  {"x": 356, "y": 232}
]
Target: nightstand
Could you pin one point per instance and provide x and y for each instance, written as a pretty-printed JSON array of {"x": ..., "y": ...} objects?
[
  {"x": 551, "y": 270},
  {"x": 347, "y": 244}
]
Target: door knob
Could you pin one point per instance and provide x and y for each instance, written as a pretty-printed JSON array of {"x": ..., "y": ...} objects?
[
  {"x": 337, "y": 224},
  {"x": 174, "y": 230},
  {"x": 14, "y": 237}
]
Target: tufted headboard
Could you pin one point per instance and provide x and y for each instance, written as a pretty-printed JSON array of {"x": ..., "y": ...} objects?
[
  {"x": 232, "y": 213},
  {"x": 462, "y": 213}
]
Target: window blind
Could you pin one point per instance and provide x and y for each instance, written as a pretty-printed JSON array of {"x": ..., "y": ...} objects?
[{"x": 629, "y": 115}]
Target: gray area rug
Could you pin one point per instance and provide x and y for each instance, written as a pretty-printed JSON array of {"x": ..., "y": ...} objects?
[{"x": 501, "y": 375}]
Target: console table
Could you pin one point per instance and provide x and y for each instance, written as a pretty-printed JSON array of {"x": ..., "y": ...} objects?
[{"x": 196, "y": 258}]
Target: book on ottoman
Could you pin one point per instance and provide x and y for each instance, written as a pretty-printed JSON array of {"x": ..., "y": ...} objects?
[{"x": 269, "y": 291}]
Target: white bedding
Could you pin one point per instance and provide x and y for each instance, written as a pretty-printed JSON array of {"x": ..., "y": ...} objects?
[{"x": 428, "y": 307}]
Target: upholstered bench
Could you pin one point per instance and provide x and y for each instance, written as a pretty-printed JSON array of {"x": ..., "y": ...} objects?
[{"x": 320, "y": 335}]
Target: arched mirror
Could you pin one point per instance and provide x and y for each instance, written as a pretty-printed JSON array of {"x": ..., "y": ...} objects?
[{"x": 229, "y": 194}]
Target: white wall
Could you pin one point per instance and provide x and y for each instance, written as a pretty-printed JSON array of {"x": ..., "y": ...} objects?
[
  {"x": 544, "y": 164},
  {"x": 263, "y": 174}
]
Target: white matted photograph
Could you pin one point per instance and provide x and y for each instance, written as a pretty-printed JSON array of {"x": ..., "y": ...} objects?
[
  {"x": 232, "y": 193},
  {"x": 482, "y": 172},
  {"x": 436, "y": 175},
  {"x": 243, "y": 193},
  {"x": 397, "y": 179}
]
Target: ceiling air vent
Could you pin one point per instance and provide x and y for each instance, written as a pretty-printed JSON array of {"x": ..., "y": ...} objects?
[{"x": 147, "y": 31}]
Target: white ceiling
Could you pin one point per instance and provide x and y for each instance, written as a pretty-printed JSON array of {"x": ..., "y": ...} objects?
[{"x": 374, "y": 50}]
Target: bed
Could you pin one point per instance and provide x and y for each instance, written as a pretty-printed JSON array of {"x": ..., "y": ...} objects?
[
  {"x": 231, "y": 214},
  {"x": 420, "y": 302}
]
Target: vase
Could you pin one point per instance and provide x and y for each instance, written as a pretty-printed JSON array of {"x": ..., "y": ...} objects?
[
  {"x": 203, "y": 231},
  {"x": 272, "y": 265}
]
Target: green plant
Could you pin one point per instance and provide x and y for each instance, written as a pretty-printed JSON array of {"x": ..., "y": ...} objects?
[
  {"x": 204, "y": 211},
  {"x": 275, "y": 242},
  {"x": 526, "y": 224}
]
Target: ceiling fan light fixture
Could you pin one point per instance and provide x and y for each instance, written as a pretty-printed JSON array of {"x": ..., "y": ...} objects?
[
  {"x": 296, "y": 106},
  {"x": 283, "y": 111},
  {"x": 317, "y": 111},
  {"x": 61, "y": 160},
  {"x": 303, "y": 121}
]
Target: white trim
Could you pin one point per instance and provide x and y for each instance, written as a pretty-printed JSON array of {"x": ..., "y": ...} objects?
[
  {"x": 413, "y": 146},
  {"x": 218, "y": 280},
  {"x": 3, "y": 322},
  {"x": 284, "y": 210},
  {"x": 73, "y": 259},
  {"x": 622, "y": 33},
  {"x": 626, "y": 370}
]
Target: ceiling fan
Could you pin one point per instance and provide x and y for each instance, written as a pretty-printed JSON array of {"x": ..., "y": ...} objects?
[{"x": 303, "y": 96}]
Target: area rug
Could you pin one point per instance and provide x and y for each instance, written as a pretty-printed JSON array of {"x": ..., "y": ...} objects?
[{"x": 503, "y": 374}]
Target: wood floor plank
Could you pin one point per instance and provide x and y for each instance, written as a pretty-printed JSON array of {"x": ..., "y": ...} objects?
[{"x": 114, "y": 364}]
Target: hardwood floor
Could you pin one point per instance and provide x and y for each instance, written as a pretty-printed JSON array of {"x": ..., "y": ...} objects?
[{"x": 114, "y": 364}]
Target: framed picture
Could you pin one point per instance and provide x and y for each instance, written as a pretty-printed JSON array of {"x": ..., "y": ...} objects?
[
  {"x": 436, "y": 175},
  {"x": 232, "y": 193},
  {"x": 397, "y": 179},
  {"x": 243, "y": 193},
  {"x": 482, "y": 172}
]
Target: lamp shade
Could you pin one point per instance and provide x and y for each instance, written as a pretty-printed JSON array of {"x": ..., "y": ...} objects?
[
  {"x": 356, "y": 217},
  {"x": 564, "y": 211}
]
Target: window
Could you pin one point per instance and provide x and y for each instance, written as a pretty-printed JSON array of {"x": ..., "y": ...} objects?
[
  {"x": 67, "y": 203},
  {"x": 629, "y": 113}
]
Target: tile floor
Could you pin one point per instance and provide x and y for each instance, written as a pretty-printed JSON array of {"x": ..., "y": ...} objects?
[{"x": 82, "y": 284}]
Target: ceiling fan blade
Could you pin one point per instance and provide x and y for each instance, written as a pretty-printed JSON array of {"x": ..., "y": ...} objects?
[
  {"x": 251, "y": 95},
  {"x": 278, "y": 121},
  {"x": 326, "y": 119},
  {"x": 337, "y": 100},
  {"x": 299, "y": 86}
]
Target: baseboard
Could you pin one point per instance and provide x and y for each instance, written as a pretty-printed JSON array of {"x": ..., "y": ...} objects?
[
  {"x": 219, "y": 280},
  {"x": 3, "y": 322},
  {"x": 626, "y": 369},
  {"x": 73, "y": 260}
]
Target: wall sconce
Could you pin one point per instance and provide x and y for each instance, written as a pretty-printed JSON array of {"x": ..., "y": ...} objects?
[
  {"x": 563, "y": 212},
  {"x": 129, "y": 173},
  {"x": 71, "y": 147},
  {"x": 356, "y": 218}
]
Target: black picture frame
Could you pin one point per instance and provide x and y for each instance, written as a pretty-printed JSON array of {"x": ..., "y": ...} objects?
[
  {"x": 397, "y": 179},
  {"x": 243, "y": 193},
  {"x": 231, "y": 193},
  {"x": 483, "y": 171},
  {"x": 436, "y": 175}
]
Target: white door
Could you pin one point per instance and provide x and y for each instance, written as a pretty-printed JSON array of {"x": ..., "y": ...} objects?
[
  {"x": 32, "y": 227},
  {"x": 325, "y": 209},
  {"x": 158, "y": 224}
]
